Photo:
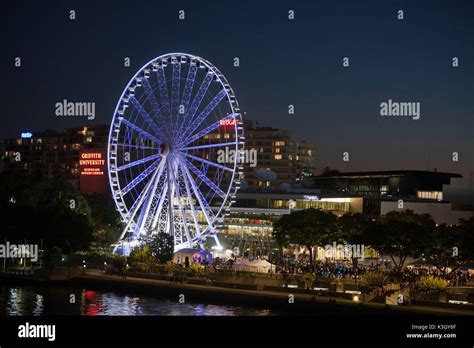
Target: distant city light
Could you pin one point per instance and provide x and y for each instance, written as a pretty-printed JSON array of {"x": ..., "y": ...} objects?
[{"x": 26, "y": 135}]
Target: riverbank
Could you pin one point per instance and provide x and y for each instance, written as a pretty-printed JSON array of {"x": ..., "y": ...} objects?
[{"x": 288, "y": 301}]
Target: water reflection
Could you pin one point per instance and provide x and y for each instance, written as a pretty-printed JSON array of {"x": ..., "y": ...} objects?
[
  {"x": 56, "y": 301},
  {"x": 14, "y": 306},
  {"x": 38, "y": 305}
]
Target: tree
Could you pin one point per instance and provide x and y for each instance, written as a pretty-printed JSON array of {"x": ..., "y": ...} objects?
[
  {"x": 281, "y": 229},
  {"x": 450, "y": 246},
  {"x": 43, "y": 211},
  {"x": 309, "y": 227},
  {"x": 351, "y": 229},
  {"x": 161, "y": 246},
  {"x": 105, "y": 220},
  {"x": 400, "y": 235}
]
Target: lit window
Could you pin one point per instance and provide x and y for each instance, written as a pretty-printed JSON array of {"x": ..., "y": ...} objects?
[
  {"x": 278, "y": 157},
  {"x": 277, "y": 150},
  {"x": 438, "y": 195}
]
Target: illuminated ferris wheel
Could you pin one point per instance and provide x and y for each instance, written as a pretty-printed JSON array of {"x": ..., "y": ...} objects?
[{"x": 172, "y": 122}]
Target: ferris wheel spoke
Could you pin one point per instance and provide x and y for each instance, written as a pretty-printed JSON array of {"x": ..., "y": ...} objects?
[
  {"x": 209, "y": 146},
  {"x": 136, "y": 163},
  {"x": 206, "y": 210},
  {"x": 146, "y": 116},
  {"x": 209, "y": 162},
  {"x": 165, "y": 102},
  {"x": 206, "y": 130},
  {"x": 156, "y": 110},
  {"x": 188, "y": 87},
  {"x": 137, "y": 205},
  {"x": 196, "y": 102},
  {"x": 158, "y": 210},
  {"x": 145, "y": 220},
  {"x": 140, "y": 178},
  {"x": 191, "y": 201},
  {"x": 141, "y": 131},
  {"x": 175, "y": 92},
  {"x": 195, "y": 123},
  {"x": 206, "y": 180},
  {"x": 183, "y": 219},
  {"x": 170, "y": 228}
]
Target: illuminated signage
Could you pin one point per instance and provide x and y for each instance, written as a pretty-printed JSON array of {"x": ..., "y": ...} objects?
[
  {"x": 26, "y": 135},
  {"x": 92, "y": 171},
  {"x": 92, "y": 163},
  {"x": 311, "y": 198},
  {"x": 227, "y": 124}
]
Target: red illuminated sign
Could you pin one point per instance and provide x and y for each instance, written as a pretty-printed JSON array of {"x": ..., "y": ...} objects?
[
  {"x": 92, "y": 171},
  {"x": 227, "y": 124}
]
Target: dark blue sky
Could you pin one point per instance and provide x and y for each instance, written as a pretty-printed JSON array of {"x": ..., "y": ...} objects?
[{"x": 282, "y": 62}]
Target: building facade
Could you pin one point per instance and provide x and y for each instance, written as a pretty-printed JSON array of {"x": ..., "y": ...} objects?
[
  {"x": 290, "y": 159},
  {"x": 52, "y": 154}
]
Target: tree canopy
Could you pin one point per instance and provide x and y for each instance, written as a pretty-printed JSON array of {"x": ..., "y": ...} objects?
[{"x": 38, "y": 210}]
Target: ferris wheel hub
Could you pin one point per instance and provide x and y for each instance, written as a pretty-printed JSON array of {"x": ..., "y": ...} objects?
[{"x": 164, "y": 150}]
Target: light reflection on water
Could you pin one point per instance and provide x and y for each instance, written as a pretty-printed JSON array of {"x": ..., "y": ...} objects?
[{"x": 60, "y": 301}]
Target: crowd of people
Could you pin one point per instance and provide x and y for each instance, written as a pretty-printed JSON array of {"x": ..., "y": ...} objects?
[{"x": 345, "y": 269}]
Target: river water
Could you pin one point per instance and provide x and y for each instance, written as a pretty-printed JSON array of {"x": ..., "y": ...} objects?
[{"x": 24, "y": 300}]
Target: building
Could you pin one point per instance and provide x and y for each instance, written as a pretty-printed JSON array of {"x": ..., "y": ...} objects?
[
  {"x": 376, "y": 186},
  {"x": 249, "y": 226},
  {"x": 288, "y": 158},
  {"x": 53, "y": 154}
]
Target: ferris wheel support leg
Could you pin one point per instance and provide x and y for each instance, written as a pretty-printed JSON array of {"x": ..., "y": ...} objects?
[
  {"x": 218, "y": 243},
  {"x": 131, "y": 219}
]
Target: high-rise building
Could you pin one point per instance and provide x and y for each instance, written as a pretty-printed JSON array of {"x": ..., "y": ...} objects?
[{"x": 288, "y": 158}]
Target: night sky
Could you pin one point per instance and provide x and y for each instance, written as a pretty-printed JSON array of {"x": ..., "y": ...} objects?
[{"x": 282, "y": 62}]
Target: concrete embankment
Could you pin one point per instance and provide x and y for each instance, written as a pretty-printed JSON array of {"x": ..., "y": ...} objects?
[
  {"x": 286, "y": 301},
  {"x": 280, "y": 300}
]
